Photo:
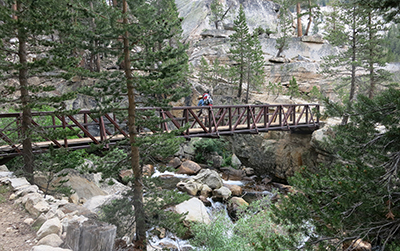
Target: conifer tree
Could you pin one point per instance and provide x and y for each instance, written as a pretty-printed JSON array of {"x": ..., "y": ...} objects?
[
  {"x": 349, "y": 63},
  {"x": 238, "y": 50},
  {"x": 154, "y": 70},
  {"x": 36, "y": 41},
  {"x": 355, "y": 196},
  {"x": 255, "y": 64},
  {"x": 247, "y": 54},
  {"x": 284, "y": 27},
  {"x": 218, "y": 14}
]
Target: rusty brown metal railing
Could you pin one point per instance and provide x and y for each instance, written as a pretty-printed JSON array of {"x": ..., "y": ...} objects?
[{"x": 205, "y": 121}]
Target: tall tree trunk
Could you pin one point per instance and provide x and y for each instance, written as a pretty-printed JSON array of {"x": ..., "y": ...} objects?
[
  {"x": 353, "y": 69},
  {"x": 26, "y": 109},
  {"x": 241, "y": 77},
  {"x": 137, "y": 171},
  {"x": 309, "y": 18},
  {"x": 299, "y": 28},
  {"x": 371, "y": 56}
]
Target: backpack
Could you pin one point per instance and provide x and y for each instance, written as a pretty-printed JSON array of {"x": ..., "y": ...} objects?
[{"x": 207, "y": 99}]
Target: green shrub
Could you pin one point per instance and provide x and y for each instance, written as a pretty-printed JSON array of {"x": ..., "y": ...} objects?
[
  {"x": 254, "y": 230},
  {"x": 206, "y": 146}
]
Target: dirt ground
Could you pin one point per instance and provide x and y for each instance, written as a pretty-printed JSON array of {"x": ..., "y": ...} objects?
[{"x": 15, "y": 235}]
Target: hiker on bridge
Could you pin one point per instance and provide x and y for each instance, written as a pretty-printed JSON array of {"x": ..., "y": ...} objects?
[{"x": 205, "y": 99}]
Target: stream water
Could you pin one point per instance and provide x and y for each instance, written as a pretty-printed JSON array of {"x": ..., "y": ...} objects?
[{"x": 252, "y": 192}]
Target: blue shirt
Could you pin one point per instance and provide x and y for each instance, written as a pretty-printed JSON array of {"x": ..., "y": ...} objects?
[{"x": 201, "y": 102}]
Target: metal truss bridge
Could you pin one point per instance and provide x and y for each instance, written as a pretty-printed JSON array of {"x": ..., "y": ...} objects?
[{"x": 205, "y": 121}]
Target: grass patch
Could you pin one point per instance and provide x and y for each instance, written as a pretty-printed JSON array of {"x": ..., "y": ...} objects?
[{"x": 3, "y": 191}]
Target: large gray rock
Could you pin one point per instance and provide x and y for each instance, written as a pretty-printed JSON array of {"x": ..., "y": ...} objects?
[
  {"x": 196, "y": 210},
  {"x": 49, "y": 248},
  {"x": 51, "y": 240},
  {"x": 52, "y": 226},
  {"x": 94, "y": 204},
  {"x": 208, "y": 177},
  {"x": 222, "y": 193},
  {"x": 82, "y": 185},
  {"x": 17, "y": 183},
  {"x": 34, "y": 203}
]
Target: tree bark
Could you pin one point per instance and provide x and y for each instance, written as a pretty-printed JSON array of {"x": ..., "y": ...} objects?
[
  {"x": 353, "y": 69},
  {"x": 371, "y": 90},
  {"x": 137, "y": 171},
  {"x": 25, "y": 102},
  {"x": 299, "y": 28},
  {"x": 309, "y": 18}
]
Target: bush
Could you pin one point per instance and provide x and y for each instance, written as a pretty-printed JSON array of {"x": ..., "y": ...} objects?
[
  {"x": 254, "y": 230},
  {"x": 203, "y": 147}
]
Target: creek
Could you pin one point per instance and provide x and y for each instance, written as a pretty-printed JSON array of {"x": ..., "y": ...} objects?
[{"x": 251, "y": 191}]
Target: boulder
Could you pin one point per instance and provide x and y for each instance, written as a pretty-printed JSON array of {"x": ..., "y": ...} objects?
[
  {"x": 52, "y": 240},
  {"x": 208, "y": 177},
  {"x": 148, "y": 170},
  {"x": 74, "y": 209},
  {"x": 234, "y": 204},
  {"x": 82, "y": 185},
  {"x": 236, "y": 163},
  {"x": 206, "y": 191},
  {"x": 126, "y": 173},
  {"x": 189, "y": 167},
  {"x": 174, "y": 163},
  {"x": 94, "y": 204},
  {"x": 222, "y": 193},
  {"x": 35, "y": 204},
  {"x": 235, "y": 189},
  {"x": 196, "y": 210},
  {"x": 26, "y": 189},
  {"x": 316, "y": 38},
  {"x": 17, "y": 183},
  {"x": 3, "y": 168},
  {"x": 280, "y": 60},
  {"x": 48, "y": 248},
  {"x": 230, "y": 173},
  {"x": 191, "y": 187},
  {"x": 52, "y": 226}
]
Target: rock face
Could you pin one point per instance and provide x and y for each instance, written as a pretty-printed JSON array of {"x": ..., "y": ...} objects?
[{"x": 278, "y": 154}]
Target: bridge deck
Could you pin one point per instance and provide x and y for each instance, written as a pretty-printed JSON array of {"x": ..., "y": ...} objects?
[{"x": 207, "y": 121}]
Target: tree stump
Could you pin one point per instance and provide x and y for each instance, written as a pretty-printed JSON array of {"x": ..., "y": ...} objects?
[{"x": 90, "y": 235}]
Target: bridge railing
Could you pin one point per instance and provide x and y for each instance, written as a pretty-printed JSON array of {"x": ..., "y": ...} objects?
[
  {"x": 220, "y": 120},
  {"x": 87, "y": 128}
]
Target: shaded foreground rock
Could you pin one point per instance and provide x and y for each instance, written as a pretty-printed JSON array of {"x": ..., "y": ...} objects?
[{"x": 90, "y": 235}]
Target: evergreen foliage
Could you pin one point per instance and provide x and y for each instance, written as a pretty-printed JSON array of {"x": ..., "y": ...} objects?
[
  {"x": 359, "y": 35},
  {"x": 153, "y": 73},
  {"x": 254, "y": 230},
  {"x": 218, "y": 13},
  {"x": 355, "y": 197},
  {"x": 247, "y": 53},
  {"x": 392, "y": 44},
  {"x": 35, "y": 28},
  {"x": 284, "y": 27}
]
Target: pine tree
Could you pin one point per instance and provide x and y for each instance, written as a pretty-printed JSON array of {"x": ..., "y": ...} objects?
[
  {"x": 349, "y": 63},
  {"x": 28, "y": 29},
  {"x": 154, "y": 70},
  {"x": 355, "y": 196},
  {"x": 284, "y": 27},
  {"x": 238, "y": 50},
  {"x": 218, "y": 14},
  {"x": 247, "y": 53},
  {"x": 255, "y": 64}
]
